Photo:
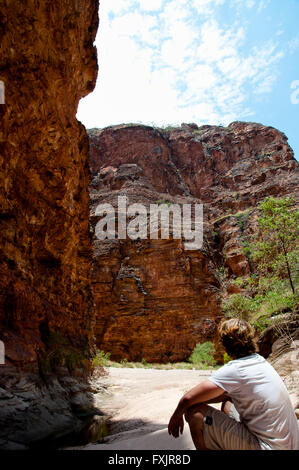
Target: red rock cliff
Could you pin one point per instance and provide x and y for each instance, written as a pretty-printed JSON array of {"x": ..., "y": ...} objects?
[
  {"x": 47, "y": 63},
  {"x": 154, "y": 299}
]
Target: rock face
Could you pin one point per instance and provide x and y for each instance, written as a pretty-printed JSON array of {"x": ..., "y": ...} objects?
[
  {"x": 285, "y": 359},
  {"x": 155, "y": 299},
  {"x": 47, "y": 64}
]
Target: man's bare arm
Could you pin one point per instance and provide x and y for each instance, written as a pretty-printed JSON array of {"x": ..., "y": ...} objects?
[
  {"x": 219, "y": 399},
  {"x": 206, "y": 391}
]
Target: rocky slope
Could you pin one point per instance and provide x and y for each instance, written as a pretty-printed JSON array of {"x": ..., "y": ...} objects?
[
  {"x": 155, "y": 299},
  {"x": 47, "y": 63}
]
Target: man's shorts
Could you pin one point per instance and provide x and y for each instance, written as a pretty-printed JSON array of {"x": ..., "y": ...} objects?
[{"x": 223, "y": 432}]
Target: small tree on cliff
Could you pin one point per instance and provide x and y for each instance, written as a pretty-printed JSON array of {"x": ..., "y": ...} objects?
[{"x": 275, "y": 249}]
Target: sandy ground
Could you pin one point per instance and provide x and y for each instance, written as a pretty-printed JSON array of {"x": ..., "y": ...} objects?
[{"x": 140, "y": 403}]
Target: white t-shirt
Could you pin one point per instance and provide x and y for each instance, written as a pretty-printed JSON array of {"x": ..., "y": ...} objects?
[{"x": 262, "y": 400}]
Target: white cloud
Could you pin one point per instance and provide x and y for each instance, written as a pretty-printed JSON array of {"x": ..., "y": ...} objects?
[
  {"x": 262, "y": 4},
  {"x": 205, "y": 7},
  {"x": 150, "y": 5},
  {"x": 115, "y": 6},
  {"x": 174, "y": 66}
]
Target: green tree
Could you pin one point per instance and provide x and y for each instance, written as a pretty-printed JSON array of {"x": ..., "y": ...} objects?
[
  {"x": 203, "y": 355},
  {"x": 275, "y": 249},
  {"x": 238, "y": 305},
  {"x": 271, "y": 289}
]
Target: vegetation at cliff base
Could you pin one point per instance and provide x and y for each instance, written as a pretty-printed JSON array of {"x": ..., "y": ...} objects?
[
  {"x": 272, "y": 287},
  {"x": 201, "y": 358},
  {"x": 203, "y": 355}
]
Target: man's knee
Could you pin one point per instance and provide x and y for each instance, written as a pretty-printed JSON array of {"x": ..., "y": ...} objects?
[
  {"x": 226, "y": 406},
  {"x": 195, "y": 412}
]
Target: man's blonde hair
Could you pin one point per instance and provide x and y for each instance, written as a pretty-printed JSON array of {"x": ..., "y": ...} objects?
[{"x": 237, "y": 337}]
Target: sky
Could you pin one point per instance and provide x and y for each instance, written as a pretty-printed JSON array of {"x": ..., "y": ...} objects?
[{"x": 164, "y": 62}]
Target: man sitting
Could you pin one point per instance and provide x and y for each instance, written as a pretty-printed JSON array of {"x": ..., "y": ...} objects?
[{"x": 256, "y": 411}]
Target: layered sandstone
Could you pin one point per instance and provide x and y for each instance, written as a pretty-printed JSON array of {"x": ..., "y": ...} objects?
[
  {"x": 47, "y": 63},
  {"x": 155, "y": 299}
]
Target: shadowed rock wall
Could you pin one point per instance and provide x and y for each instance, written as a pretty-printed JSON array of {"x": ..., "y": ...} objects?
[{"x": 47, "y": 62}]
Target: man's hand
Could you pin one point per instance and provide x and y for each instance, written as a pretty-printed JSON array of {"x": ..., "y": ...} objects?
[
  {"x": 176, "y": 425},
  {"x": 202, "y": 393}
]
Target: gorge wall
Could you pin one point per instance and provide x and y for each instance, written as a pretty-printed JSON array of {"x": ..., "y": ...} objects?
[
  {"x": 47, "y": 63},
  {"x": 155, "y": 299},
  {"x": 152, "y": 299}
]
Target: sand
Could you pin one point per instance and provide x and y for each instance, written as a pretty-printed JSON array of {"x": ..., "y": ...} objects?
[{"x": 140, "y": 403}]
